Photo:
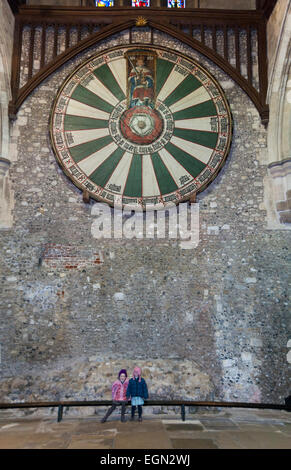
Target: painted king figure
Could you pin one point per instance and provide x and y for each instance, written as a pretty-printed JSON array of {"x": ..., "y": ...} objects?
[{"x": 141, "y": 84}]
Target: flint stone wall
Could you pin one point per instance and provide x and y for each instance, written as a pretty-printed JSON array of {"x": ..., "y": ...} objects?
[{"x": 207, "y": 323}]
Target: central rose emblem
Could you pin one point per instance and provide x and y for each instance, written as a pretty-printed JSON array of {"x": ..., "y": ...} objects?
[{"x": 141, "y": 125}]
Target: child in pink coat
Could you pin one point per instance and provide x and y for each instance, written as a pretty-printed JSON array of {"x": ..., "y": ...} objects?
[{"x": 119, "y": 389}]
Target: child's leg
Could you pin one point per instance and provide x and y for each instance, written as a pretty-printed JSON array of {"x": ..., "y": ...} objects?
[
  {"x": 133, "y": 411},
  {"x": 139, "y": 407},
  {"x": 108, "y": 413},
  {"x": 123, "y": 411}
]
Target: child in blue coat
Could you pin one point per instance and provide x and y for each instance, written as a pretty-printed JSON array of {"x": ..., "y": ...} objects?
[{"x": 138, "y": 392}]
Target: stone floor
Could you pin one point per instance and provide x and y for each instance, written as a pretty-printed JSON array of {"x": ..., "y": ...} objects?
[{"x": 231, "y": 429}]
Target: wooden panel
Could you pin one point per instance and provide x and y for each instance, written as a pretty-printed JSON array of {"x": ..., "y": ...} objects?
[
  {"x": 237, "y": 51},
  {"x": 249, "y": 55},
  {"x": 31, "y": 50},
  {"x": 43, "y": 42},
  {"x": 202, "y": 34},
  {"x": 262, "y": 58},
  {"x": 214, "y": 43},
  {"x": 15, "y": 72},
  {"x": 68, "y": 29},
  {"x": 56, "y": 33},
  {"x": 180, "y": 24},
  {"x": 88, "y": 15},
  {"x": 266, "y": 6},
  {"x": 225, "y": 39}
]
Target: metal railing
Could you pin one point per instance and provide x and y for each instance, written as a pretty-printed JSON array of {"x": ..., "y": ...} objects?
[{"x": 182, "y": 403}]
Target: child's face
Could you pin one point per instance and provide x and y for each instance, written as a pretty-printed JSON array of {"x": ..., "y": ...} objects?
[{"x": 122, "y": 377}]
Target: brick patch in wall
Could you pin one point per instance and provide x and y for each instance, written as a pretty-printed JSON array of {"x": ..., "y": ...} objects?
[{"x": 58, "y": 256}]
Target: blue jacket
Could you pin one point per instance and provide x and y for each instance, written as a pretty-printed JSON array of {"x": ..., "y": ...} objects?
[{"x": 137, "y": 389}]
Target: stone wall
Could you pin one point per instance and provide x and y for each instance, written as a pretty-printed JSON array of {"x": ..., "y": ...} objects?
[
  {"x": 6, "y": 44},
  {"x": 204, "y": 323}
]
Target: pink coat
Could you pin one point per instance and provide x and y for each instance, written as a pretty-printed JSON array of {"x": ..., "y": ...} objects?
[{"x": 119, "y": 390}]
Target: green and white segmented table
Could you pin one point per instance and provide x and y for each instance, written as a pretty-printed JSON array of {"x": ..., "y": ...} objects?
[{"x": 141, "y": 126}]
